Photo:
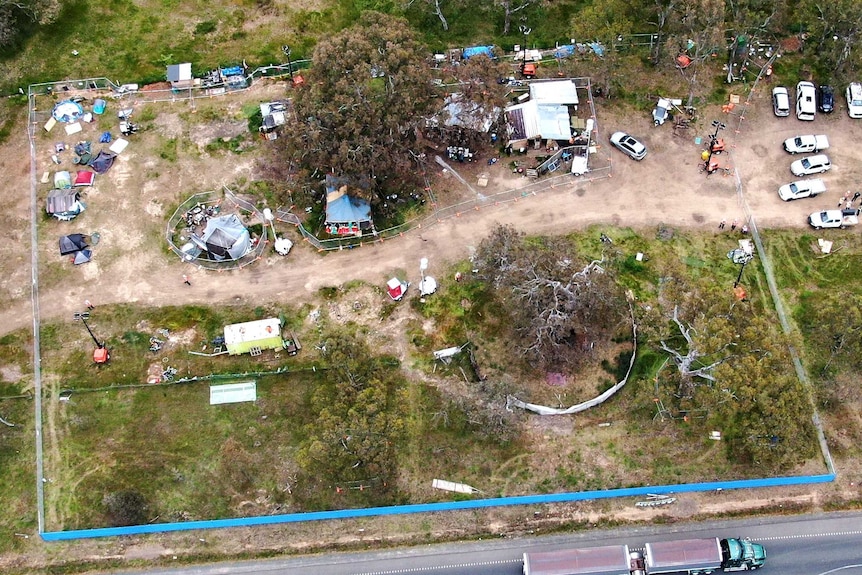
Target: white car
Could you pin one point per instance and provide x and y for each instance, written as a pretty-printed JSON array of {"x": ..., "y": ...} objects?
[
  {"x": 806, "y": 144},
  {"x": 780, "y": 101},
  {"x": 806, "y": 105},
  {"x": 834, "y": 219},
  {"x": 801, "y": 189},
  {"x": 811, "y": 165},
  {"x": 628, "y": 145},
  {"x": 854, "y": 100}
]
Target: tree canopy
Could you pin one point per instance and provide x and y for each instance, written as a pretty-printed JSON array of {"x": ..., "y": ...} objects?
[
  {"x": 553, "y": 297},
  {"x": 366, "y": 94}
]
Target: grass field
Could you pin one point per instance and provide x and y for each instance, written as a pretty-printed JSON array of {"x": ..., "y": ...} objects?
[{"x": 193, "y": 461}]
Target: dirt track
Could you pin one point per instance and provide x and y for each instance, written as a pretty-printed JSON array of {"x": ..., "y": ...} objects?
[{"x": 667, "y": 187}]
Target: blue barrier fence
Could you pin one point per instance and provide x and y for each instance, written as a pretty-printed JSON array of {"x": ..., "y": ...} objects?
[{"x": 431, "y": 507}]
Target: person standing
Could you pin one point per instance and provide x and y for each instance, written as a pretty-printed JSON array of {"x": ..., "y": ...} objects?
[
  {"x": 733, "y": 225},
  {"x": 186, "y": 280},
  {"x": 89, "y": 305},
  {"x": 721, "y": 225}
]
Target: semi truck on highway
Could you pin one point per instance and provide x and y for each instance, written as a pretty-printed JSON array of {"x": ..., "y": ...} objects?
[{"x": 690, "y": 556}]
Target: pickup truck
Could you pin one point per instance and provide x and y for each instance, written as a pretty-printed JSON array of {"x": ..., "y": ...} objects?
[
  {"x": 806, "y": 144},
  {"x": 801, "y": 189},
  {"x": 834, "y": 219}
]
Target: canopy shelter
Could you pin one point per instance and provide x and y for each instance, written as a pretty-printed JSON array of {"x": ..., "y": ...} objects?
[
  {"x": 72, "y": 243},
  {"x": 64, "y": 204},
  {"x": 224, "y": 238},
  {"x": 103, "y": 161},
  {"x": 346, "y": 214},
  {"x": 67, "y": 111}
]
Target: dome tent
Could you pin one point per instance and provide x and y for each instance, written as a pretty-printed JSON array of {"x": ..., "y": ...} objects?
[{"x": 225, "y": 238}]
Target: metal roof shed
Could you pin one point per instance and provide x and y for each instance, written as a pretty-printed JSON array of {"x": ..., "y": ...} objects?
[
  {"x": 252, "y": 336},
  {"x": 554, "y": 92}
]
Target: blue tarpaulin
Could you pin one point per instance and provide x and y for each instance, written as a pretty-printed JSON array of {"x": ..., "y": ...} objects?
[{"x": 478, "y": 50}]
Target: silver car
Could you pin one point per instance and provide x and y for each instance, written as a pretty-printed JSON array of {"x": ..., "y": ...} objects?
[
  {"x": 628, "y": 145},
  {"x": 780, "y": 101}
]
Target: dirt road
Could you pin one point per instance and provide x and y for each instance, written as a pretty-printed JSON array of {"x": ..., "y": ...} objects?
[{"x": 667, "y": 187}]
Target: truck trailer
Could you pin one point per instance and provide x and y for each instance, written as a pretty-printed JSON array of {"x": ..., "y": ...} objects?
[{"x": 690, "y": 556}]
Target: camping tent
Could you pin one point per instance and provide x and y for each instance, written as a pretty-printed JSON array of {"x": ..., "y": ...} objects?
[
  {"x": 72, "y": 243},
  {"x": 64, "y": 204},
  {"x": 225, "y": 238},
  {"x": 82, "y": 257},
  {"x": 103, "y": 162},
  {"x": 85, "y": 178},
  {"x": 62, "y": 180},
  {"x": 67, "y": 111}
]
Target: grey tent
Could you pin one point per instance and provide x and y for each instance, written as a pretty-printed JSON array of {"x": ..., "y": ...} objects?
[
  {"x": 103, "y": 162},
  {"x": 72, "y": 243},
  {"x": 225, "y": 238},
  {"x": 83, "y": 257}
]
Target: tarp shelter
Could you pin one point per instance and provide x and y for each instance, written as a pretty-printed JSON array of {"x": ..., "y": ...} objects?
[
  {"x": 468, "y": 53},
  {"x": 72, "y": 243},
  {"x": 67, "y": 111},
  {"x": 226, "y": 238},
  {"x": 180, "y": 75},
  {"x": 64, "y": 204},
  {"x": 459, "y": 111},
  {"x": 345, "y": 214},
  {"x": 244, "y": 337},
  {"x": 103, "y": 162},
  {"x": 82, "y": 257}
]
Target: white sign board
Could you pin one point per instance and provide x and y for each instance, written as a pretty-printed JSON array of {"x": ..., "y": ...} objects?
[{"x": 233, "y": 393}]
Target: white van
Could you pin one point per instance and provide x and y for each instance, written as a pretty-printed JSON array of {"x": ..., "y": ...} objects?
[{"x": 805, "y": 101}]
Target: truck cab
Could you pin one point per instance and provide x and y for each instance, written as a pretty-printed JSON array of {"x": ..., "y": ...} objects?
[{"x": 742, "y": 554}]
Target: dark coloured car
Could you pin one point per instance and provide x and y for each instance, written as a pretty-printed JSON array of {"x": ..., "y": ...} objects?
[{"x": 826, "y": 99}]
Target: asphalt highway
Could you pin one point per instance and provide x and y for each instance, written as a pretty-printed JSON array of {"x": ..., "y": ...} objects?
[{"x": 823, "y": 544}]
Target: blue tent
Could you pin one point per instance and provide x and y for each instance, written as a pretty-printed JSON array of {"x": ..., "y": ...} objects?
[{"x": 476, "y": 51}]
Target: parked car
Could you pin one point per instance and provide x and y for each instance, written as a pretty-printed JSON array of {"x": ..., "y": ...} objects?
[
  {"x": 826, "y": 99},
  {"x": 854, "y": 100},
  {"x": 805, "y": 104},
  {"x": 834, "y": 219},
  {"x": 628, "y": 145},
  {"x": 806, "y": 144},
  {"x": 801, "y": 189},
  {"x": 780, "y": 101},
  {"x": 810, "y": 165}
]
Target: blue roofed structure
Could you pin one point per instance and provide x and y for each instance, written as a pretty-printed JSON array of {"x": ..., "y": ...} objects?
[{"x": 346, "y": 214}]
